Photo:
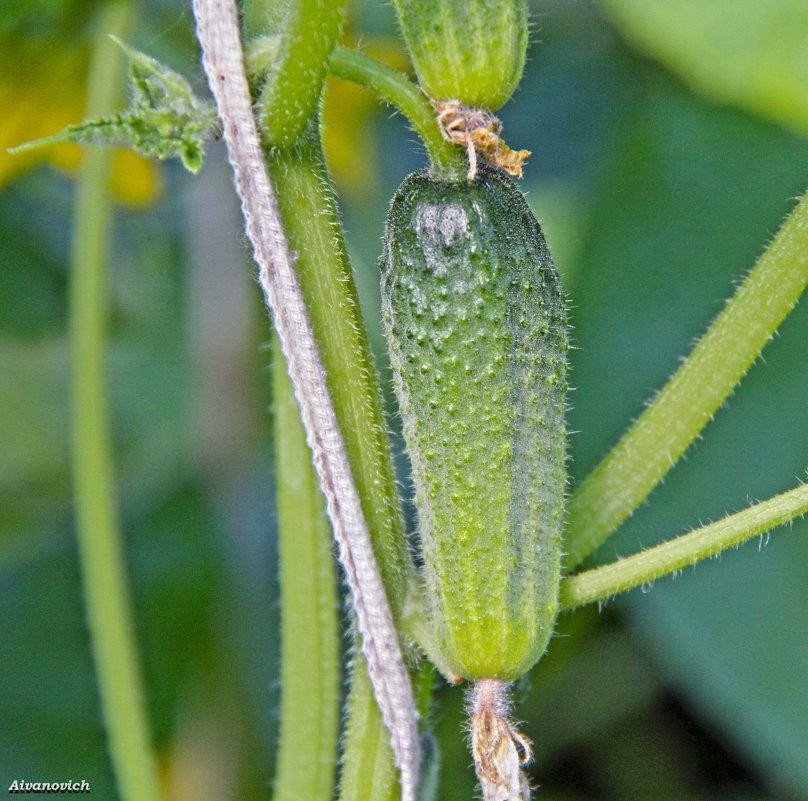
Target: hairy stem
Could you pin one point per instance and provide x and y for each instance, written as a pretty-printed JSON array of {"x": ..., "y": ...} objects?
[
  {"x": 294, "y": 81},
  {"x": 312, "y": 225},
  {"x": 307, "y": 749},
  {"x": 391, "y": 86},
  {"x": 604, "y": 582},
  {"x": 368, "y": 768},
  {"x": 218, "y": 33},
  {"x": 311, "y": 222},
  {"x": 646, "y": 452},
  {"x": 103, "y": 571}
]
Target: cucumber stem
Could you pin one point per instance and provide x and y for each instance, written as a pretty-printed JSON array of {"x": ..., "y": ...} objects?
[
  {"x": 663, "y": 432},
  {"x": 368, "y": 766},
  {"x": 100, "y": 547},
  {"x": 311, "y": 222},
  {"x": 447, "y": 162},
  {"x": 307, "y": 744},
  {"x": 642, "y": 568},
  {"x": 310, "y": 219},
  {"x": 218, "y": 34},
  {"x": 294, "y": 82}
]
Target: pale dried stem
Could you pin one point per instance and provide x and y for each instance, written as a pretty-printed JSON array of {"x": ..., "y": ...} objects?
[
  {"x": 499, "y": 749},
  {"x": 218, "y": 33}
]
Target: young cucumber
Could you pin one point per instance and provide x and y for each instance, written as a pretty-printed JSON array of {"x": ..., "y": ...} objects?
[
  {"x": 476, "y": 325},
  {"x": 467, "y": 50}
]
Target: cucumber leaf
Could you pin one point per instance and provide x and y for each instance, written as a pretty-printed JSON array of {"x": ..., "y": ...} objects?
[{"x": 165, "y": 119}]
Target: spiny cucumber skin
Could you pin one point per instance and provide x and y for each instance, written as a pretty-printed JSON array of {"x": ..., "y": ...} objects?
[
  {"x": 476, "y": 326},
  {"x": 467, "y": 50}
]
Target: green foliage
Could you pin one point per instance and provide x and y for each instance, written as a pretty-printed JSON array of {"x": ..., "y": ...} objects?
[
  {"x": 743, "y": 52},
  {"x": 42, "y": 19},
  {"x": 165, "y": 119}
]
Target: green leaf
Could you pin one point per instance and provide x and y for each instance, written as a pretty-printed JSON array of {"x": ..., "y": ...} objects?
[
  {"x": 741, "y": 52},
  {"x": 165, "y": 119}
]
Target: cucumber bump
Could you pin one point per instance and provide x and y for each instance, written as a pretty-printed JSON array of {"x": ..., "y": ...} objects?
[{"x": 476, "y": 326}]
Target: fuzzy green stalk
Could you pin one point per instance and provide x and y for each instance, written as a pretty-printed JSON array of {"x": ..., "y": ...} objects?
[
  {"x": 294, "y": 78},
  {"x": 647, "y": 566},
  {"x": 307, "y": 749},
  {"x": 663, "y": 432},
  {"x": 368, "y": 771},
  {"x": 447, "y": 160},
  {"x": 312, "y": 226},
  {"x": 103, "y": 571}
]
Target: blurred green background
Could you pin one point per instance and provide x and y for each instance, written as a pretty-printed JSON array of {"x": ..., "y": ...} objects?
[{"x": 669, "y": 141}]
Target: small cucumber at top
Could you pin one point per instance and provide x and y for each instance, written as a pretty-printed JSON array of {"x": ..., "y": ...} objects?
[{"x": 467, "y": 50}]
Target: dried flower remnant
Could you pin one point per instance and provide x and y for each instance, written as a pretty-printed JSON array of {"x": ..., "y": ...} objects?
[
  {"x": 500, "y": 751},
  {"x": 478, "y": 130}
]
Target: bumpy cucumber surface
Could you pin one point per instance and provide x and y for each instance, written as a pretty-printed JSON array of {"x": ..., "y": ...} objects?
[
  {"x": 476, "y": 326},
  {"x": 467, "y": 50}
]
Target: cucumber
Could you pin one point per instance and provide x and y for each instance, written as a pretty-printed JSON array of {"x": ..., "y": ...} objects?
[
  {"x": 467, "y": 50},
  {"x": 476, "y": 326}
]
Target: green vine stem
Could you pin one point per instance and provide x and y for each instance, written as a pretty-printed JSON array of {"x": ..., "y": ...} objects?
[
  {"x": 647, "y": 566},
  {"x": 310, "y": 218},
  {"x": 324, "y": 421},
  {"x": 448, "y": 162},
  {"x": 368, "y": 770},
  {"x": 100, "y": 548},
  {"x": 646, "y": 452},
  {"x": 307, "y": 749},
  {"x": 309, "y": 214},
  {"x": 294, "y": 79}
]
